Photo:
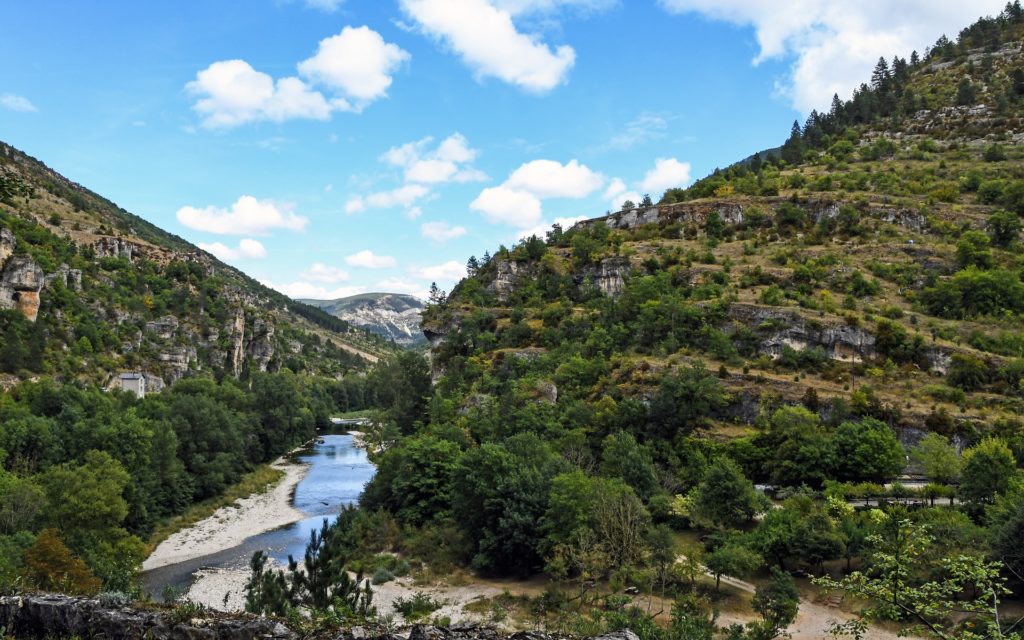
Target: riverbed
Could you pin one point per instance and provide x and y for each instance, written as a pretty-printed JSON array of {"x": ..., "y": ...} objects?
[{"x": 331, "y": 474}]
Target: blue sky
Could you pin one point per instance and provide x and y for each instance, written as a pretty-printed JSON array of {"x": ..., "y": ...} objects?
[{"x": 330, "y": 147}]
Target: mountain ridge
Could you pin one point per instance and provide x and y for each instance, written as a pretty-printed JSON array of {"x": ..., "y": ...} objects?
[{"x": 395, "y": 316}]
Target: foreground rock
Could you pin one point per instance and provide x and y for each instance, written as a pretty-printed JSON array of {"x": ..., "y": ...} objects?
[{"x": 56, "y": 616}]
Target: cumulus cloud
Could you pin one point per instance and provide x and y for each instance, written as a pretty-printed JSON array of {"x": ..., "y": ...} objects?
[
  {"x": 357, "y": 62},
  {"x": 835, "y": 44},
  {"x": 486, "y": 39},
  {"x": 400, "y": 285},
  {"x": 617, "y": 193},
  {"x": 401, "y": 197},
  {"x": 441, "y": 231},
  {"x": 310, "y": 291},
  {"x": 551, "y": 179},
  {"x": 231, "y": 93},
  {"x": 368, "y": 260},
  {"x": 502, "y": 205},
  {"x": 356, "y": 66},
  {"x": 667, "y": 172},
  {"x": 518, "y": 201},
  {"x": 320, "y": 272},
  {"x": 448, "y": 272},
  {"x": 248, "y": 249},
  {"x": 14, "y": 102},
  {"x": 448, "y": 162},
  {"x": 247, "y": 216}
]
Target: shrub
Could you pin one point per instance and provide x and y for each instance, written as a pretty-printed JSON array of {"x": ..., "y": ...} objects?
[{"x": 382, "y": 575}]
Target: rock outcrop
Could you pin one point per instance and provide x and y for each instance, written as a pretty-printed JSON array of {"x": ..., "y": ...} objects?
[
  {"x": 733, "y": 212},
  {"x": 507, "y": 274},
  {"x": 20, "y": 283},
  {"x": 609, "y": 276},
  {"x": 39, "y": 616},
  {"x": 111, "y": 247},
  {"x": 781, "y": 328},
  {"x": 261, "y": 346}
]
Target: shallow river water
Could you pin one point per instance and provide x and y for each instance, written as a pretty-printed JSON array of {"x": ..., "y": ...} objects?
[{"x": 338, "y": 472}]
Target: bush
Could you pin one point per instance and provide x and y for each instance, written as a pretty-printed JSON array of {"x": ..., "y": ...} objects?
[
  {"x": 382, "y": 575},
  {"x": 416, "y": 607}
]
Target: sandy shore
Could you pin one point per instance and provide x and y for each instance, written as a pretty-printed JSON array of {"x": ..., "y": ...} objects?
[
  {"x": 230, "y": 526},
  {"x": 211, "y": 585}
]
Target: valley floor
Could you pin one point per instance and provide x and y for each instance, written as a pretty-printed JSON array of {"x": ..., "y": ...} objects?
[{"x": 230, "y": 526}]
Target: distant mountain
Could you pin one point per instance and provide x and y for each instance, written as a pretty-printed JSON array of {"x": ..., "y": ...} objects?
[{"x": 392, "y": 315}]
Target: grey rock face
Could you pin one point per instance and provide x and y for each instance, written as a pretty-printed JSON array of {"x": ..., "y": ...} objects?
[
  {"x": 840, "y": 342},
  {"x": 507, "y": 276},
  {"x": 261, "y": 347},
  {"x": 165, "y": 327},
  {"x": 609, "y": 276},
  {"x": 20, "y": 283},
  {"x": 110, "y": 247}
]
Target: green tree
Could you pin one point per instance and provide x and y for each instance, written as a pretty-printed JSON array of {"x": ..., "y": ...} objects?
[
  {"x": 732, "y": 559},
  {"x": 973, "y": 249},
  {"x": 938, "y": 458},
  {"x": 867, "y": 451},
  {"x": 725, "y": 498},
  {"x": 1004, "y": 228},
  {"x": 898, "y": 554},
  {"x": 623, "y": 457},
  {"x": 683, "y": 398},
  {"x": 778, "y": 601},
  {"x": 988, "y": 469}
]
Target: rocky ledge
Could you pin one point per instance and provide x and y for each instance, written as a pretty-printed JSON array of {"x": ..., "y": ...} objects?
[{"x": 55, "y": 616}]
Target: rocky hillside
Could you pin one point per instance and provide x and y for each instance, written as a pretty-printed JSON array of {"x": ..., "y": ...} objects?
[
  {"x": 88, "y": 290},
  {"x": 870, "y": 266},
  {"x": 394, "y": 316}
]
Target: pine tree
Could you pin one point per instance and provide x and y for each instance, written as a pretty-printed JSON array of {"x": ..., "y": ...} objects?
[
  {"x": 880, "y": 76},
  {"x": 793, "y": 149}
]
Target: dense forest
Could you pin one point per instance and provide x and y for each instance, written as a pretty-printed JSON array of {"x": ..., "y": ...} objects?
[{"x": 837, "y": 322}]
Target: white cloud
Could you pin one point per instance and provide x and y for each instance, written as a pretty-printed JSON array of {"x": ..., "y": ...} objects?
[
  {"x": 311, "y": 291},
  {"x": 834, "y": 43},
  {"x": 541, "y": 230},
  {"x": 487, "y": 40},
  {"x": 667, "y": 172},
  {"x": 247, "y": 249},
  {"x": 449, "y": 162},
  {"x": 450, "y": 271},
  {"x": 501, "y": 205},
  {"x": 320, "y": 272},
  {"x": 617, "y": 193},
  {"x": 14, "y": 102},
  {"x": 441, "y": 231},
  {"x": 367, "y": 260},
  {"x": 401, "y": 197},
  {"x": 356, "y": 62},
  {"x": 398, "y": 285},
  {"x": 247, "y": 216},
  {"x": 413, "y": 213},
  {"x": 551, "y": 179},
  {"x": 518, "y": 201},
  {"x": 356, "y": 66},
  {"x": 231, "y": 93}
]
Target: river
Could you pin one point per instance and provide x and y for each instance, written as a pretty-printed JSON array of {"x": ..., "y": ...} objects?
[{"x": 338, "y": 471}]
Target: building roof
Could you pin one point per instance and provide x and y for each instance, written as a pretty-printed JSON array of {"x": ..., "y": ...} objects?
[{"x": 132, "y": 376}]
